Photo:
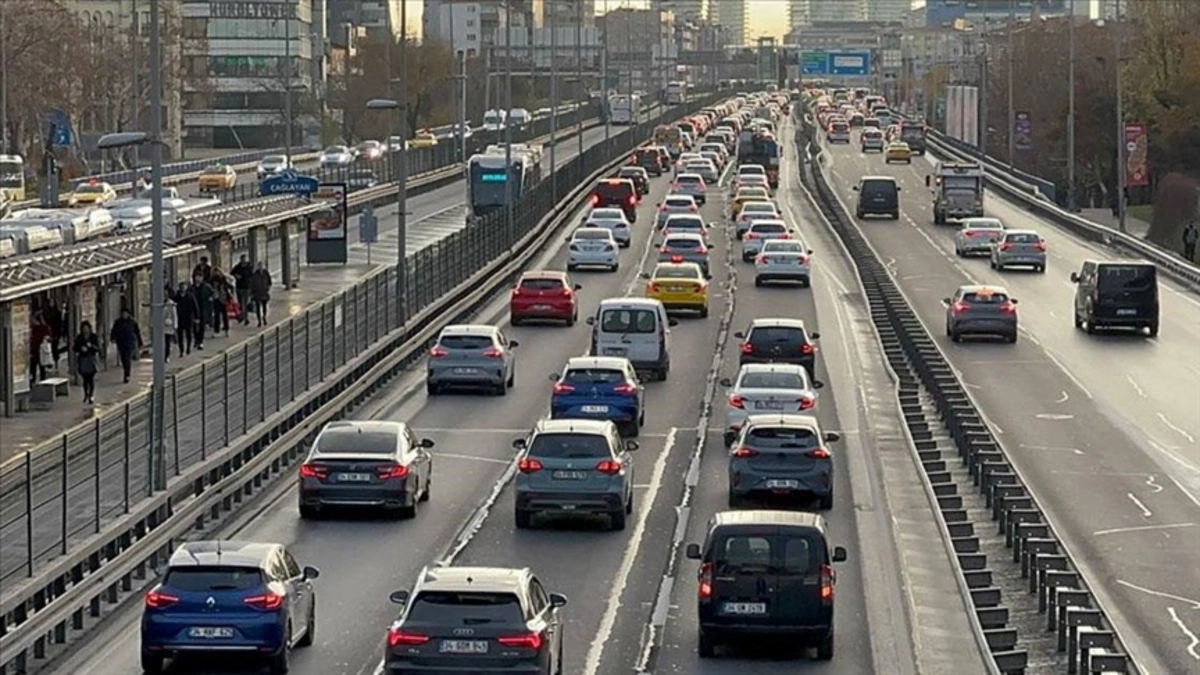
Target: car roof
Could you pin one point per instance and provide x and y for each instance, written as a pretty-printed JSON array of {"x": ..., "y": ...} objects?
[
  {"x": 684, "y": 235},
  {"x": 767, "y": 221},
  {"x": 603, "y": 362},
  {"x": 982, "y": 288},
  {"x": 569, "y": 426},
  {"x": 462, "y": 579},
  {"x": 222, "y": 553},
  {"x": 549, "y": 274},
  {"x": 470, "y": 329},
  {"x": 694, "y": 266},
  {"x": 772, "y": 368},
  {"x": 616, "y": 181},
  {"x": 761, "y": 202},
  {"x": 1122, "y": 263},
  {"x": 785, "y": 420},
  {"x": 359, "y": 426},
  {"x": 689, "y": 198},
  {"x": 630, "y": 303},
  {"x": 777, "y": 323},
  {"x": 981, "y": 221},
  {"x": 1033, "y": 232},
  {"x": 606, "y": 211},
  {"x": 890, "y": 179},
  {"x": 751, "y": 517}
]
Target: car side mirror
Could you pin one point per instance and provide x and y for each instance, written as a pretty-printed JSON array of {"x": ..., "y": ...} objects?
[
  {"x": 814, "y": 336},
  {"x": 632, "y": 445},
  {"x": 832, "y": 437},
  {"x": 591, "y": 321},
  {"x": 399, "y": 597},
  {"x": 817, "y": 384},
  {"x": 519, "y": 443},
  {"x": 693, "y": 552},
  {"x": 658, "y": 244},
  {"x": 513, "y": 344},
  {"x": 672, "y": 322},
  {"x": 644, "y": 275},
  {"x": 553, "y": 377},
  {"x": 928, "y": 181},
  {"x": 579, "y": 287},
  {"x": 740, "y": 335},
  {"x": 839, "y": 554},
  {"x": 855, "y": 188},
  {"x": 1014, "y": 301},
  {"x": 810, "y": 251},
  {"x": 707, "y": 276},
  {"x": 311, "y": 572},
  {"x": 558, "y": 600},
  {"x": 945, "y": 301},
  {"x": 899, "y": 189},
  {"x": 1074, "y": 277},
  {"x": 725, "y": 382},
  {"x": 427, "y": 443},
  {"x": 567, "y": 239}
]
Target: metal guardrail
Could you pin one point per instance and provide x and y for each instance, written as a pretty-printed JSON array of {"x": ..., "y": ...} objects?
[
  {"x": 1039, "y": 574},
  {"x": 87, "y": 522}
]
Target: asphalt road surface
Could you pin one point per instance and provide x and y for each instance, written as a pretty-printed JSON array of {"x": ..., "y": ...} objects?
[{"x": 1103, "y": 428}]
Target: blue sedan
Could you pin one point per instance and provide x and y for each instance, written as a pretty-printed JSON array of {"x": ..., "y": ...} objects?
[{"x": 599, "y": 388}]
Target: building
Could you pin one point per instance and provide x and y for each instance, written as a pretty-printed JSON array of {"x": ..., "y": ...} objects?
[
  {"x": 836, "y": 11},
  {"x": 251, "y": 54},
  {"x": 886, "y": 10},
  {"x": 840, "y": 36},
  {"x": 568, "y": 12},
  {"x": 797, "y": 14},
  {"x": 730, "y": 15},
  {"x": 380, "y": 18},
  {"x": 641, "y": 48},
  {"x": 946, "y": 12},
  {"x": 472, "y": 25},
  {"x": 684, "y": 10}
]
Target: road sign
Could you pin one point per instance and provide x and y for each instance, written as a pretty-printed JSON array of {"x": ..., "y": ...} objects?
[
  {"x": 368, "y": 226},
  {"x": 835, "y": 63},
  {"x": 289, "y": 183},
  {"x": 814, "y": 63}
]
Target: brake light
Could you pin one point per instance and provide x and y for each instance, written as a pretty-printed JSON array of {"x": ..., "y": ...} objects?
[
  {"x": 313, "y": 471},
  {"x": 747, "y": 348},
  {"x": 532, "y": 641},
  {"x": 397, "y": 638},
  {"x": 693, "y": 209},
  {"x": 750, "y": 235},
  {"x": 493, "y": 353},
  {"x": 737, "y": 401},
  {"x": 438, "y": 352},
  {"x": 807, "y": 348},
  {"x": 631, "y": 200},
  {"x": 819, "y": 453},
  {"x": 595, "y": 200},
  {"x": 1008, "y": 307},
  {"x": 744, "y": 451},
  {"x": 625, "y": 389},
  {"x": 516, "y": 291},
  {"x": 760, "y": 260},
  {"x": 706, "y": 578},
  {"x": 159, "y": 600},
  {"x": 702, "y": 250},
  {"x": 266, "y": 601},
  {"x": 827, "y": 581},
  {"x": 1041, "y": 246},
  {"x": 529, "y": 466},
  {"x": 806, "y": 403},
  {"x": 563, "y": 388},
  {"x": 1005, "y": 246},
  {"x": 969, "y": 233},
  {"x": 786, "y": 235},
  {"x": 960, "y": 307},
  {"x": 396, "y": 471},
  {"x": 652, "y": 287},
  {"x": 610, "y": 467},
  {"x": 676, "y": 258}
]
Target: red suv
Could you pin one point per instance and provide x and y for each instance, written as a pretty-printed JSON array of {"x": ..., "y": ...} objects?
[{"x": 544, "y": 295}]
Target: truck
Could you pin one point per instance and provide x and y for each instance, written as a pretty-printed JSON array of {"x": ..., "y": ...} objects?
[
  {"x": 957, "y": 191},
  {"x": 670, "y": 137},
  {"x": 488, "y": 179},
  {"x": 763, "y": 149},
  {"x": 623, "y": 109},
  {"x": 913, "y": 133}
]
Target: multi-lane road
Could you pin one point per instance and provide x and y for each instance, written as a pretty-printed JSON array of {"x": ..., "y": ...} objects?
[
  {"x": 625, "y": 595},
  {"x": 1104, "y": 428}
]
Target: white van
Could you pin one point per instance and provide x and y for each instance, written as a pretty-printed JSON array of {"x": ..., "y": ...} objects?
[
  {"x": 637, "y": 329},
  {"x": 519, "y": 117}
]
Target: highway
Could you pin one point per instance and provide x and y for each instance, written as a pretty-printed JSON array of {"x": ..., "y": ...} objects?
[
  {"x": 612, "y": 578},
  {"x": 1103, "y": 428}
]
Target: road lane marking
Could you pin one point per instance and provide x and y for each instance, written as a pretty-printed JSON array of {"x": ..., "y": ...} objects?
[
  {"x": 1181, "y": 432},
  {"x": 1069, "y": 374},
  {"x": 1054, "y": 417},
  {"x": 1142, "y": 528},
  {"x": 1051, "y": 448},
  {"x": 1184, "y": 490},
  {"x": 1150, "y": 482},
  {"x": 1195, "y": 604},
  {"x": 1136, "y": 387},
  {"x": 1145, "y": 511},
  {"x": 1191, "y": 648}
]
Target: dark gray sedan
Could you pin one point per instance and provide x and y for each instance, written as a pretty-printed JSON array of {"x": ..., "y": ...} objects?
[{"x": 981, "y": 310}]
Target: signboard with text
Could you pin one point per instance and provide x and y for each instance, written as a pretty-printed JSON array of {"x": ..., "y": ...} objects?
[
  {"x": 1137, "y": 150},
  {"x": 1022, "y": 131},
  {"x": 836, "y": 63}
]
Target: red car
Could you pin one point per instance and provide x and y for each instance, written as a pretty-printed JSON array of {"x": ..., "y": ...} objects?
[{"x": 544, "y": 295}]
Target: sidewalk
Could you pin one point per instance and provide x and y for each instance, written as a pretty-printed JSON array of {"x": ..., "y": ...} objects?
[{"x": 1135, "y": 226}]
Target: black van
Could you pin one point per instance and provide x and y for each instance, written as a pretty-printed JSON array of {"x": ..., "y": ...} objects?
[
  {"x": 618, "y": 193},
  {"x": 1116, "y": 294},
  {"x": 766, "y": 573},
  {"x": 878, "y": 196}
]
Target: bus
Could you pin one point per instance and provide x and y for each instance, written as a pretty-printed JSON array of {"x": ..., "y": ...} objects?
[
  {"x": 487, "y": 180},
  {"x": 623, "y": 109},
  {"x": 12, "y": 177},
  {"x": 677, "y": 93}
]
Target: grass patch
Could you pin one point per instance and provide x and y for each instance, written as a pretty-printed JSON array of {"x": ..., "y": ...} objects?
[{"x": 1143, "y": 212}]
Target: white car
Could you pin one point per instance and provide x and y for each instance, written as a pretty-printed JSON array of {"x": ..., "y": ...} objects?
[
  {"x": 672, "y": 204},
  {"x": 684, "y": 158},
  {"x": 692, "y": 185},
  {"x": 685, "y": 222},
  {"x": 783, "y": 260},
  {"x": 614, "y": 220},
  {"x": 752, "y": 180},
  {"x": 335, "y": 156},
  {"x": 716, "y": 158},
  {"x": 718, "y": 148},
  {"x": 751, "y": 170},
  {"x": 593, "y": 246},
  {"x": 273, "y": 164},
  {"x": 755, "y": 211},
  {"x": 977, "y": 236},
  {"x": 703, "y": 168},
  {"x": 760, "y": 232},
  {"x": 767, "y": 388}
]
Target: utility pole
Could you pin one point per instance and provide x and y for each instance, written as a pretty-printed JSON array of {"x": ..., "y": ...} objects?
[
  {"x": 583, "y": 92},
  {"x": 158, "y": 388},
  {"x": 3, "y": 84},
  {"x": 1071, "y": 196},
  {"x": 607, "y": 109},
  {"x": 553, "y": 96},
  {"x": 460, "y": 134},
  {"x": 1120, "y": 123},
  {"x": 629, "y": 63},
  {"x": 1012, "y": 115},
  {"x": 287, "y": 79},
  {"x": 135, "y": 88},
  {"x": 508, "y": 186}
]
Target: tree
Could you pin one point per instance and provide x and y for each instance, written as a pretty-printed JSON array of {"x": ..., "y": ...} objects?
[
  {"x": 41, "y": 73},
  {"x": 370, "y": 73}
]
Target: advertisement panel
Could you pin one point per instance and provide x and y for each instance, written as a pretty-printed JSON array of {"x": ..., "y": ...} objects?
[
  {"x": 1022, "y": 131},
  {"x": 20, "y": 322},
  {"x": 1137, "y": 150},
  {"x": 970, "y": 115},
  {"x": 954, "y": 112},
  {"x": 327, "y": 227}
]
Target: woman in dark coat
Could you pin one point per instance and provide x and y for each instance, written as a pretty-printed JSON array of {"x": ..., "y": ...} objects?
[
  {"x": 260, "y": 292},
  {"x": 87, "y": 359},
  {"x": 187, "y": 315}
]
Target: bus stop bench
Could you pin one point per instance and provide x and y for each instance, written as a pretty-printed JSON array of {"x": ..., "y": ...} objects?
[{"x": 45, "y": 391}]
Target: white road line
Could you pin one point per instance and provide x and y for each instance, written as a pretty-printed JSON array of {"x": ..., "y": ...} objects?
[
  {"x": 1135, "y": 386},
  {"x": 474, "y": 458},
  {"x": 1184, "y": 490},
  {"x": 1145, "y": 511},
  {"x": 1150, "y": 482},
  {"x": 1064, "y": 398},
  {"x": 1195, "y": 641},
  {"x": 1142, "y": 528},
  {"x": 1181, "y": 432},
  {"x": 1195, "y": 604},
  {"x": 1050, "y": 448},
  {"x": 1069, "y": 374}
]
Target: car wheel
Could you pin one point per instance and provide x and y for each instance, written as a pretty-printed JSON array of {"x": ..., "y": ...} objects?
[
  {"x": 955, "y": 337},
  {"x": 629, "y": 504},
  {"x": 514, "y": 320},
  {"x": 409, "y": 512},
  {"x": 1041, "y": 269},
  {"x": 308, "y": 512},
  {"x": 152, "y": 664},
  {"x": 616, "y": 267},
  {"x": 512, "y": 379},
  {"x": 281, "y": 662},
  {"x": 992, "y": 263},
  {"x": 735, "y": 501},
  {"x": 617, "y": 520},
  {"x": 432, "y": 389},
  {"x": 827, "y": 501},
  {"x": 895, "y": 215},
  {"x": 758, "y": 282},
  {"x": 522, "y": 519},
  {"x": 1011, "y": 338},
  {"x": 858, "y": 214},
  {"x": 1153, "y": 329},
  {"x": 999, "y": 267},
  {"x": 947, "y": 329},
  {"x": 825, "y": 649},
  {"x": 704, "y": 312},
  {"x": 571, "y": 321},
  {"x": 572, "y": 268},
  {"x": 630, "y": 429},
  {"x": 1078, "y": 321},
  {"x": 706, "y": 647},
  {"x": 500, "y": 389},
  {"x": 428, "y": 482},
  {"x": 310, "y": 626},
  {"x": 1090, "y": 326}
]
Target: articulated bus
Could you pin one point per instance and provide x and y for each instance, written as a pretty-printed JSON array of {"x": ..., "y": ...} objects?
[{"x": 12, "y": 177}]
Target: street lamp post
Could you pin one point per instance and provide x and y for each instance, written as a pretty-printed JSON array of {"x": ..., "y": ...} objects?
[
  {"x": 1120, "y": 122},
  {"x": 582, "y": 90},
  {"x": 553, "y": 98},
  {"x": 508, "y": 187},
  {"x": 3, "y": 84},
  {"x": 1012, "y": 115},
  {"x": 287, "y": 80},
  {"x": 1071, "y": 198}
]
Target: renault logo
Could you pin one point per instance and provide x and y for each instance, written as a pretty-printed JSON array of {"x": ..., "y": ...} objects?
[
  {"x": 210, "y": 602},
  {"x": 464, "y": 631}
]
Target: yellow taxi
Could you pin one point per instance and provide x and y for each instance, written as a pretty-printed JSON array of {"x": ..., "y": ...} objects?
[
  {"x": 423, "y": 139},
  {"x": 750, "y": 193},
  {"x": 92, "y": 193},
  {"x": 897, "y": 151},
  {"x": 217, "y": 178},
  {"x": 678, "y": 285}
]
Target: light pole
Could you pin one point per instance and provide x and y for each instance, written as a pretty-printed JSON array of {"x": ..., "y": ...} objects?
[
  {"x": 553, "y": 98},
  {"x": 604, "y": 75},
  {"x": 3, "y": 84},
  {"x": 583, "y": 93},
  {"x": 1012, "y": 115},
  {"x": 1120, "y": 122},
  {"x": 508, "y": 187},
  {"x": 287, "y": 79},
  {"x": 1071, "y": 199}
]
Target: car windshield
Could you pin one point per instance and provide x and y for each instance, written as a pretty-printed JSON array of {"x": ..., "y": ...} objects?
[
  {"x": 594, "y": 375},
  {"x": 677, "y": 272},
  {"x": 465, "y": 341},
  {"x": 985, "y": 297},
  {"x": 90, "y": 189},
  {"x": 632, "y": 173},
  {"x": 783, "y": 247},
  {"x": 677, "y": 223},
  {"x": 742, "y": 555},
  {"x": 271, "y": 160},
  {"x": 543, "y": 284},
  {"x": 466, "y": 609},
  {"x": 679, "y": 203},
  {"x": 776, "y": 334},
  {"x": 205, "y": 579},
  {"x": 758, "y": 207},
  {"x": 215, "y": 171},
  {"x": 683, "y": 242},
  {"x": 569, "y": 446},
  {"x": 982, "y": 224},
  {"x": 593, "y": 233},
  {"x": 752, "y": 193},
  {"x": 336, "y": 150},
  {"x": 767, "y": 228},
  {"x": 783, "y": 437},
  {"x": 628, "y": 321},
  {"x": 689, "y": 180},
  {"x": 773, "y": 380},
  {"x": 607, "y": 214},
  {"x": 356, "y": 442}
]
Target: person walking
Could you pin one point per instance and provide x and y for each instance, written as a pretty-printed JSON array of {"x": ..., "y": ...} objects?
[
  {"x": 203, "y": 268},
  {"x": 260, "y": 292},
  {"x": 87, "y": 359},
  {"x": 1190, "y": 236},
  {"x": 187, "y": 315},
  {"x": 204, "y": 295},
  {"x": 127, "y": 336},
  {"x": 223, "y": 299},
  {"x": 242, "y": 272},
  {"x": 170, "y": 326}
]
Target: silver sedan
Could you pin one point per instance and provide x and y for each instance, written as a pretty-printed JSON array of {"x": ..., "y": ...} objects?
[
  {"x": 685, "y": 247},
  {"x": 977, "y": 236},
  {"x": 762, "y": 388},
  {"x": 1024, "y": 248},
  {"x": 590, "y": 246},
  {"x": 704, "y": 168},
  {"x": 981, "y": 310}
]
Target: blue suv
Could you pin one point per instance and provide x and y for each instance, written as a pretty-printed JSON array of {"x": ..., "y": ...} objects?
[
  {"x": 230, "y": 597},
  {"x": 600, "y": 388}
]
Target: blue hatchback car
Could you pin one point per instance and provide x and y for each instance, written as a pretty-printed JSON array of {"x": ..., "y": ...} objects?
[
  {"x": 599, "y": 388},
  {"x": 230, "y": 597}
]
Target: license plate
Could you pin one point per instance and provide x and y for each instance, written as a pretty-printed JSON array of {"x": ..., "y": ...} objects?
[
  {"x": 210, "y": 632},
  {"x": 352, "y": 477},
  {"x": 541, "y": 308},
  {"x": 570, "y": 475},
  {"x": 782, "y": 484},
  {"x": 593, "y": 409},
  {"x": 464, "y": 371},
  {"x": 676, "y": 289},
  {"x": 744, "y": 608},
  {"x": 1126, "y": 312},
  {"x": 463, "y": 647},
  {"x": 614, "y": 351},
  {"x": 768, "y": 405}
]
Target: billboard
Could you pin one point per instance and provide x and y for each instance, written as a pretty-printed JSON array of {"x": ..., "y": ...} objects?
[
  {"x": 1022, "y": 131},
  {"x": 962, "y": 114},
  {"x": 1137, "y": 149},
  {"x": 835, "y": 63}
]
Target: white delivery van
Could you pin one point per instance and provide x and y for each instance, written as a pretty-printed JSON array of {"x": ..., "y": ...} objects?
[{"x": 634, "y": 328}]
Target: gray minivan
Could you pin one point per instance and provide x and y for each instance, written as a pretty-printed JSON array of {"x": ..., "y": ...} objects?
[
  {"x": 634, "y": 328},
  {"x": 766, "y": 574}
]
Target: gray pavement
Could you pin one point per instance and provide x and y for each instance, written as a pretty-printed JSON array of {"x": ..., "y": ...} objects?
[{"x": 1135, "y": 226}]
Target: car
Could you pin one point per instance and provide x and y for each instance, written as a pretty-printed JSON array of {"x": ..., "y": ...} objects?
[
  {"x": 685, "y": 158},
  {"x": 619, "y": 193},
  {"x": 718, "y": 148},
  {"x": 272, "y": 165},
  {"x": 892, "y": 133},
  {"x": 92, "y": 193},
  {"x": 593, "y": 247},
  {"x": 366, "y": 464},
  {"x": 692, "y": 185},
  {"x": 476, "y": 620},
  {"x": 767, "y": 388},
  {"x": 750, "y": 170},
  {"x": 678, "y": 285},
  {"x": 747, "y": 194},
  {"x": 766, "y": 573},
  {"x": 361, "y": 179},
  {"x": 672, "y": 204},
  {"x": 783, "y": 260},
  {"x": 981, "y": 310},
  {"x": 1020, "y": 248},
  {"x": 649, "y": 159},
  {"x": 781, "y": 455},
  {"x": 685, "y": 247},
  {"x": 600, "y": 387},
  {"x": 778, "y": 340},
  {"x": 872, "y": 123},
  {"x": 574, "y": 467},
  {"x": 703, "y": 168},
  {"x": 634, "y": 328},
  {"x": 423, "y": 139},
  {"x": 613, "y": 220},
  {"x": 878, "y": 195},
  {"x": 641, "y": 179},
  {"x": 977, "y": 235},
  {"x": 335, "y": 156},
  {"x": 471, "y": 355},
  {"x": 369, "y": 150},
  {"x": 837, "y": 131},
  {"x": 716, "y": 158},
  {"x": 247, "y": 597},
  {"x": 217, "y": 178},
  {"x": 897, "y": 151},
  {"x": 686, "y": 222},
  {"x": 753, "y": 180},
  {"x": 759, "y": 233},
  {"x": 752, "y": 212},
  {"x": 871, "y": 140},
  {"x": 1116, "y": 294},
  {"x": 857, "y": 120},
  {"x": 545, "y": 295}
]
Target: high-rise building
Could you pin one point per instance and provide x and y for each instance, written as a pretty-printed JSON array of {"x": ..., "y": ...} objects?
[
  {"x": 685, "y": 10},
  {"x": 887, "y": 10},
  {"x": 730, "y": 15},
  {"x": 565, "y": 13},
  {"x": 381, "y": 18},
  {"x": 797, "y": 13},
  {"x": 834, "y": 11}
]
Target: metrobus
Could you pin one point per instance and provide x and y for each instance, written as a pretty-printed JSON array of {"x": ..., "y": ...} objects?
[{"x": 12, "y": 177}]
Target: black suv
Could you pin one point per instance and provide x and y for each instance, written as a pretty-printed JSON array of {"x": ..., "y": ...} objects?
[
  {"x": 1116, "y": 294},
  {"x": 779, "y": 341},
  {"x": 766, "y": 573},
  {"x": 639, "y": 176},
  {"x": 878, "y": 196},
  {"x": 476, "y": 619}
]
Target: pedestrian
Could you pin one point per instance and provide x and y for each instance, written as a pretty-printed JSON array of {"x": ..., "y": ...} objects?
[
  {"x": 87, "y": 359},
  {"x": 187, "y": 315},
  {"x": 241, "y": 273},
  {"x": 222, "y": 300},
  {"x": 127, "y": 336},
  {"x": 203, "y": 268},
  {"x": 203, "y": 295},
  {"x": 260, "y": 292},
  {"x": 1190, "y": 236},
  {"x": 39, "y": 334},
  {"x": 170, "y": 326}
]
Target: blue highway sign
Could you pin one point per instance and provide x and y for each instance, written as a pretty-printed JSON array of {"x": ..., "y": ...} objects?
[
  {"x": 289, "y": 183},
  {"x": 835, "y": 63}
]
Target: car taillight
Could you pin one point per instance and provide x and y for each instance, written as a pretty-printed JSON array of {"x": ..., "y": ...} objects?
[
  {"x": 563, "y": 388},
  {"x": 397, "y": 638},
  {"x": 806, "y": 403},
  {"x": 631, "y": 200},
  {"x": 652, "y": 287},
  {"x": 392, "y": 471},
  {"x": 625, "y": 389},
  {"x": 807, "y": 348},
  {"x": 960, "y": 307},
  {"x": 785, "y": 235},
  {"x": 267, "y": 601},
  {"x": 706, "y": 578},
  {"x": 969, "y": 233},
  {"x": 819, "y": 453},
  {"x": 744, "y": 451},
  {"x": 595, "y": 200},
  {"x": 702, "y": 250},
  {"x": 747, "y": 348},
  {"x": 438, "y": 352},
  {"x": 1008, "y": 307},
  {"x": 750, "y": 235},
  {"x": 493, "y": 353},
  {"x": 676, "y": 258},
  {"x": 159, "y": 600},
  {"x": 529, "y": 466},
  {"x": 1005, "y": 246},
  {"x": 693, "y": 209},
  {"x": 313, "y": 471},
  {"x": 516, "y": 292},
  {"x": 827, "y": 581},
  {"x": 532, "y": 641},
  {"x": 610, "y": 467},
  {"x": 737, "y": 401},
  {"x": 760, "y": 260}
]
